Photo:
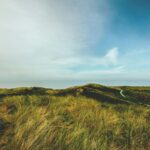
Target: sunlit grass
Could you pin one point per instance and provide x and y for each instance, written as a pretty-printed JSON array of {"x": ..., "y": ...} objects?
[{"x": 73, "y": 123}]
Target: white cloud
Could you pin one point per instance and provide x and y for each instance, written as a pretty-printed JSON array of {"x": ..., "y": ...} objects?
[
  {"x": 110, "y": 58},
  {"x": 43, "y": 39},
  {"x": 112, "y": 55},
  {"x": 49, "y": 29}
]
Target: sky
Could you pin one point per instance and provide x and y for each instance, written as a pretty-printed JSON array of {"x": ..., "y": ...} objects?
[{"x": 57, "y": 44}]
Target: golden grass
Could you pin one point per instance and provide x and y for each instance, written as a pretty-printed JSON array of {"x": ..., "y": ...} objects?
[{"x": 73, "y": 123}]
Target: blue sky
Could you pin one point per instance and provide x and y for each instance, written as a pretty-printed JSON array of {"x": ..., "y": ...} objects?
[{"x": 56, "y": 43}]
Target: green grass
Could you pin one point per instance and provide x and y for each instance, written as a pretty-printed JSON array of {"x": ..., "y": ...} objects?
[{"x": 72, "y": 119}]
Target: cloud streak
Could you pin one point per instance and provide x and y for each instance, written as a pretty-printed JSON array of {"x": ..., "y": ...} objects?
[{"x": 49, "y": 35}]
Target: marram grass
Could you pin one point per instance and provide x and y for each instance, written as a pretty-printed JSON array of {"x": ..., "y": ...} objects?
[{"x": 72, "y": 123}]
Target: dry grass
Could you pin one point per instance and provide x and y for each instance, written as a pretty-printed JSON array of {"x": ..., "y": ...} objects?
[{"x": 72, "y": 123}]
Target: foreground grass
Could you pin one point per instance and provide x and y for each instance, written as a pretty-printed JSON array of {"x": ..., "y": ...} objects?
[{"x": 72, "y": 123}]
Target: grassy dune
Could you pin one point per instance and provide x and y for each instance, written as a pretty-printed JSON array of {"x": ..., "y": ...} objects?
[{"x": 91, "y": 117}]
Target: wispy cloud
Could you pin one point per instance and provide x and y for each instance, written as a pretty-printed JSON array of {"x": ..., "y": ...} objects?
[
  {"x": 52, "y": 29},
  {"x": 112, "y": 56},
  {"x": 55, "y": 39},
  {"x": 43, "y": 36}
]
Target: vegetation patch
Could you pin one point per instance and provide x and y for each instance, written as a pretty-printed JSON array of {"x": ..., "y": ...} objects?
[{"x": 89, "y": 117}]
